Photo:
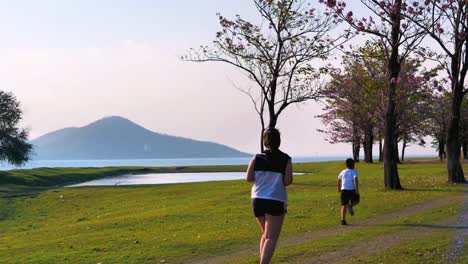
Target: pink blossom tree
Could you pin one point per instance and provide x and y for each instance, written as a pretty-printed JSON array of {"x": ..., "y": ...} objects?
[
  {"x": 355, "y": 101},
  {"x": 388, "y": 25},
  {"x": 352, "y": 100},
  {"x": 446, "y": 22}
]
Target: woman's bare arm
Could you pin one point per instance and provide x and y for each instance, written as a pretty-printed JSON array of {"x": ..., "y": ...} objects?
[
  {"x": 288, "y": 174},
  {"x": 251, "y": 171}
]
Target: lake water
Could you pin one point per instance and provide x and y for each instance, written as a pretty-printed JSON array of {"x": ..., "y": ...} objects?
[
  {"x": 152, "y": 162},
  {"x": 164, "y": 178}
]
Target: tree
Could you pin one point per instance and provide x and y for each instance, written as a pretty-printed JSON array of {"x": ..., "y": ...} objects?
[
  {"x": 446, "y": 22},
  {"x": 439, "y": 114},
  {"x": 399, "y": 39},
  {"x": 278, "y": 54},
  {"x": 352, "y": 100},
  {"x": 414, "y": 98},
  {"x": 14, "y": 147},
  {"x": 464, "y": 130}
]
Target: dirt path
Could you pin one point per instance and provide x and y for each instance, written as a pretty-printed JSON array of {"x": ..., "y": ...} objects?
[
  {"x": 328, "y": 258},
  {"x": 462, "y": 236},
  {"x": 377, "y": 244}
]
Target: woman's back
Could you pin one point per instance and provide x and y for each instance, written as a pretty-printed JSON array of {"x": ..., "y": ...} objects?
[{"x": 269, "y": 170}]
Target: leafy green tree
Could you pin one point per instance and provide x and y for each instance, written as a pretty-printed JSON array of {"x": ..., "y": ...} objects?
[{"x": 14, "y": 147}]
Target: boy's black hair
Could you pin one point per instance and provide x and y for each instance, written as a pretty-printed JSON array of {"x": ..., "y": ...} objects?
[{"x": 350, "y": 163}]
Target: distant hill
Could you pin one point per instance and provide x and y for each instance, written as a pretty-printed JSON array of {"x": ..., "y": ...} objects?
[{"x": 119, "y": 138}]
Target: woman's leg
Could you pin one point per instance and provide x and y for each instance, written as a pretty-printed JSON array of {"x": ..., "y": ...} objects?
[
  {"x": 343, "y": 212},
  {"x": 261, "y": 223},
  {"x": 273, "y": 226}
]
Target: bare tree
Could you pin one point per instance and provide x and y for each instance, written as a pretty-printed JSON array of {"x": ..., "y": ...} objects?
[{"x": 279, "y": 55}]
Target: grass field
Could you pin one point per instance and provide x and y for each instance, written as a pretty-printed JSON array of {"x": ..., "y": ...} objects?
[{"x": 41, "y": 222}]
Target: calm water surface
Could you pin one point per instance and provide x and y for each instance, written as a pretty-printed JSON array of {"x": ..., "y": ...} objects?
[
  {"x": 151, "y": 162},
  {"x": 164, "y": 178}
]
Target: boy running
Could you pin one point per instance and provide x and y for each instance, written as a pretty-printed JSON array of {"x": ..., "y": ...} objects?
[{"x": 348, "y": 187}]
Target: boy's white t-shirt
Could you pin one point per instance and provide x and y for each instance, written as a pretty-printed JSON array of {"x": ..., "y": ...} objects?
[{"x": 347, "y": 179}]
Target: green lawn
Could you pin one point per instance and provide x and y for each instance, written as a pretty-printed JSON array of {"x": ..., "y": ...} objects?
[{"x": 42, "y": 223}]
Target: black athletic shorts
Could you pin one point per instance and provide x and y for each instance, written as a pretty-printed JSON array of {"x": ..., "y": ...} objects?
[
  {"x": 349, "y": 196},
  {"x": 265, "y": 206}
]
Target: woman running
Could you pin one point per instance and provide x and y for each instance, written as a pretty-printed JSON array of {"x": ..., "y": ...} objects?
[{"x": 271, "y": 172}]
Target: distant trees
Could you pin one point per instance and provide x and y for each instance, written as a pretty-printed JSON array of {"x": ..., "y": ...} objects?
[
  {"x": 355, "y": 100},
  {"x": 464, "y": 130},
  {"x": 14, "y": 147},
  {"x": 439, "y": 115},
  {"x": 279, "y": 54}
]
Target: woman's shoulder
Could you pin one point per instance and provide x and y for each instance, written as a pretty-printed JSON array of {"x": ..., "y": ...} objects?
[{"x": 284, "y": 155}]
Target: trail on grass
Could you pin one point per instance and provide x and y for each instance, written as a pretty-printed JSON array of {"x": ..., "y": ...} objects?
[
  {"x": 462, "y": 235},
  {"x": 363, "y": 247},
  {"x": 375, "y": 245}
]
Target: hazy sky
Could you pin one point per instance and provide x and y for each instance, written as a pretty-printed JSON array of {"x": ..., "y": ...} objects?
[{"x": 71, "y": 62}]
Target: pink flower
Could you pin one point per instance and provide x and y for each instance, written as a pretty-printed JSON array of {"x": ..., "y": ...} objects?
[{"x": 331, "y": 3}]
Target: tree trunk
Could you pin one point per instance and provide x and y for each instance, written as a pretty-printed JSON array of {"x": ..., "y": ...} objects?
[
  {"x": 262, "y": 148},
  {"x": 356, "y": 150},
  {"x": 441, "y": 149},
  {"x": 391, "y": 177},
  {"x": 465, "y": 149},
  {"x": 273, "y": 120},
  {"x": 397, "y": 152},
  {"x": 356, "y": 144},
  {"x": 403, "y": 150},
  {"x": 454, "y": 168},
  {"x": 368, "y": 143},
  {"x": 380, "y": 151}
]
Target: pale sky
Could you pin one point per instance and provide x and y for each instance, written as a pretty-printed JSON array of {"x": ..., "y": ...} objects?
[{"x": 71, "y": 62}]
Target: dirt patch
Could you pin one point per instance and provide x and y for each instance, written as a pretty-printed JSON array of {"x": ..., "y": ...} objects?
[{"x": 460, "y": 237}]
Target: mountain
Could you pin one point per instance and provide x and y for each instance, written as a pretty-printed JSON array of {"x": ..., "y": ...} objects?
[{"x": 119, "y": 138}]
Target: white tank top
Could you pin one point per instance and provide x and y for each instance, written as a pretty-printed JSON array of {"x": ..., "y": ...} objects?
[{"x": 269, "y": 172}]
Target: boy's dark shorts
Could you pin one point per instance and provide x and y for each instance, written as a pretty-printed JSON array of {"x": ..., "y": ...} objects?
[
  {"x": 349, "y": 196},
  {"x": 266, "y": 206}
]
